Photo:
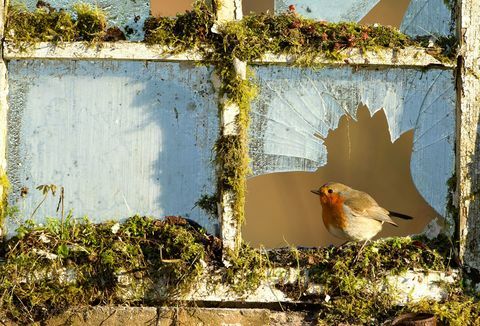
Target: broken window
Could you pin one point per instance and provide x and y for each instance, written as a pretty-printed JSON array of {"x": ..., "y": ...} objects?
[
  {"x": 360, "y": 153},
  {"x": 298, "y": 108},
  {"x": 157, "y": 129}
]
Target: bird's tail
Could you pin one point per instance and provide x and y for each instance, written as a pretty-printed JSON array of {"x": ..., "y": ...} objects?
[{"x": 400, "y": 215}]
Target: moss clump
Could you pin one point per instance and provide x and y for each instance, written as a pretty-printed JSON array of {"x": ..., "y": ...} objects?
[
  {"x": 191, "y": 30},
  {"x": 209, "y": 205},
  {"x": 51, "y": 268},
  {"x": 249, "y": 39},
  {"x": 350, "y": 281},
  {"x": 458, "y": 309},
  {"x": 307, "y": 39},
  {"x": 46, "y": 24},
  {"x": 91, "y": 23},
  {"x": 5, "y": 188},
  {"x": 25, "y": 28},
  {"x": 231, "y": 158},
  {"x": 246, "y": 270},
  {"x": 390, "y": 256}
]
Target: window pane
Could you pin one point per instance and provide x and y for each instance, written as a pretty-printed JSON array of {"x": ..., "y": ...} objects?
[{"x": 122, "y": 137}]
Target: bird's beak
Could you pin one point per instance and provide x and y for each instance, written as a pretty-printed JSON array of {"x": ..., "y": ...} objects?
[{"x": 316, "y": 192}]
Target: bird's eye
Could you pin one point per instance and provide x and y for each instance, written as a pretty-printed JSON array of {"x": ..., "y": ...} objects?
[{"x": 330, "y": 191}]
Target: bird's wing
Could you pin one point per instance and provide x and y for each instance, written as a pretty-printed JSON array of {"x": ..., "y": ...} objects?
[{"x": 362, "y": 204}]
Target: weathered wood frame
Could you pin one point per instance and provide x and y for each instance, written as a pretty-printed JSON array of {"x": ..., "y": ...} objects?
[
  {"x": 467, "y": 145},
  {"x": 3, "y": 105},
  {"x": 468, "y": 104}
]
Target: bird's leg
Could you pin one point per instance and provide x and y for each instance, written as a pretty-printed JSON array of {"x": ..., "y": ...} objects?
[{"x": 360, "y": 251}]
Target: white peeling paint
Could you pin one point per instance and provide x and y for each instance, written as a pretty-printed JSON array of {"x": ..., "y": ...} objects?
[
  {"x": 408, "y": 57},
  {"x": 229, "y": 119},
  {"x": 229, "y": 224},
  {"x": 121, "y": 137},
  {"x": 415, "y": 286},
  {"x": 411, "y": 286},
  {"x": 332, "y": 11},
  {"x": 121, "y": 13},
  {"x": 229, "y": 10},
  {"x": 107, "y": 50},
  {"x": 297, "y": 107},
  {"x": 427, "y": 17}
]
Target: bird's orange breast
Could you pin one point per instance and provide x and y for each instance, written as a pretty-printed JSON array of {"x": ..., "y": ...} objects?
[{"x": 333, "y": 214}]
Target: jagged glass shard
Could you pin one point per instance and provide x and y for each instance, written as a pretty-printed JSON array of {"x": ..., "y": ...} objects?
[
  {"x": 297, "y": 107},
  {"x": 332, "y": 11},
  {"x": 427, "y": 17}
]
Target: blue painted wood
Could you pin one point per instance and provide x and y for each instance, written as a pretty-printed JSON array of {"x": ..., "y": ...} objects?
[{"x": 122, "y": 137}]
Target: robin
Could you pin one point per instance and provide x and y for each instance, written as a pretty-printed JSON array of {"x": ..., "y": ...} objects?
[{"x": 351, "y": 214}]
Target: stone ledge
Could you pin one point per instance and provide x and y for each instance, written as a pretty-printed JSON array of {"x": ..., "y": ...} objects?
[{"x": 166, "y": 316}]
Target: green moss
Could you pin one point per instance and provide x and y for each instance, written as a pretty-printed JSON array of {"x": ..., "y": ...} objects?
[
  {"x": 35, "y": 280},
  {"x": 191, "y": 30},
  {"x": 25, "y": 28},
  {"x": 458, "y": 309},
  {"x": 5, "y": 188},
  {"x": 246, "y": 270},
  {"x": 289, "y": 33},
  {"x": 382, "y": 257},
  {"x": 209, "y": 205},
  {"x": 46, "y": 24},
  {"x": 106, "y": 259},
  {"x": 349, "y": 279},
  {"x": 91, "y": 23}
]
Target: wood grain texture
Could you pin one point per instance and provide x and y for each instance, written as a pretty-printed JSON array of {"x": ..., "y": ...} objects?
[{"x": 468, "y": 116}]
